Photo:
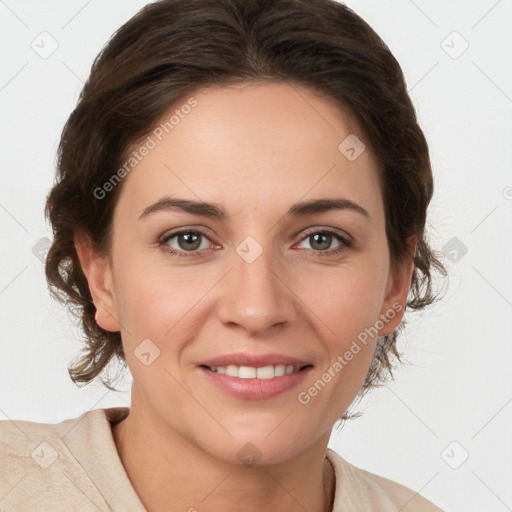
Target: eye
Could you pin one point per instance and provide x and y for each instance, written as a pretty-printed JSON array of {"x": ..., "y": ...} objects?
[
  {"x": 321, "y": 239},
  {"x": 189, "y": 243},
  {"x": 186, "y": 241}
]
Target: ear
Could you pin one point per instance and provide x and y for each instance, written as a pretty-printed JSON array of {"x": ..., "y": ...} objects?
[
  {"x": 98, "y": 271},
  {"x": 399, "y": 282}
]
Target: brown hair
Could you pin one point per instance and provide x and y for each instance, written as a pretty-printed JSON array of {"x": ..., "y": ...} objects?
[{"x": 171, "y": 48}]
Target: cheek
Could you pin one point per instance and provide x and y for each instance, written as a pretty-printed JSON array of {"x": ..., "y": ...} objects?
[
  {"x": 348, "y": 304},
  {"x": 157, "y": 317},
  {"x": 151, "y": 302},
  {"x": 351, "y": 314},
  {"x": 346, "y": 299},
  {"x": 160, "y": 302}
]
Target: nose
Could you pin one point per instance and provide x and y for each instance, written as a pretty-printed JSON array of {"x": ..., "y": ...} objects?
[{"x": 256, "y": 295}]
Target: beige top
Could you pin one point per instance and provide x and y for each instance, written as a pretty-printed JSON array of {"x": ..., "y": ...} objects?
[{"x": 74, "y": 465}]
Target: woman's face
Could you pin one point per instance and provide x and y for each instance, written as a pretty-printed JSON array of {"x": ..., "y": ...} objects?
[{"x": 265, "y": 280}]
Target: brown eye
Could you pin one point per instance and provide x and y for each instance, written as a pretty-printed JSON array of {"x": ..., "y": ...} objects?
[
  {"x": 187, "y": 241},
  {"x": 320, "y": 242}
]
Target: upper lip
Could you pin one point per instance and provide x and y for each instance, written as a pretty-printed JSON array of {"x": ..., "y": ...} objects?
[{"x": 255, "y": 360}]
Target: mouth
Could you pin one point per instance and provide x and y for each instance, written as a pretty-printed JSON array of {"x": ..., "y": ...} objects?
[
  {"x": 261, "y": 372},
  {"x": 251, "y": 377}
]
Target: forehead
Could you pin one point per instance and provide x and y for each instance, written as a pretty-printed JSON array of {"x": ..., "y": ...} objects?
[{"x": 252, "y": 146}]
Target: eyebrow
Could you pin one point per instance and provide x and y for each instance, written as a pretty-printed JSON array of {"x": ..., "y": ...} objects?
[{"x": 214, "y": 211}]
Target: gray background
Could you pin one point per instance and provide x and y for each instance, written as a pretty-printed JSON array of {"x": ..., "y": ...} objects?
[{"x": 443, "y": 426}]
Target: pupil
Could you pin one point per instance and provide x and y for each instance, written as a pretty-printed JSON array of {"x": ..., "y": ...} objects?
[
  {"x": 325, "y": 236},
  {"x": 190, "y": 238}
]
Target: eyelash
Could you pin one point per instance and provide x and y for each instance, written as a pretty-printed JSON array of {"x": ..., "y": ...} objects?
[{"x": 346, "y": 243}]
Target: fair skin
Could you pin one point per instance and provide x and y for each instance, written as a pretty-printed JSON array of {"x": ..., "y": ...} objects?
[{"x": 254, "y": 150}]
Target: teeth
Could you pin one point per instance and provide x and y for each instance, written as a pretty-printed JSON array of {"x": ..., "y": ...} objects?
[
  {"x": 249, "y": 372},
  {"x": 266, "y": 372},
  {"x": 280, "y": 370},
  {"x": 246, "y": 372},
  {"x": 232, "y": 370}
]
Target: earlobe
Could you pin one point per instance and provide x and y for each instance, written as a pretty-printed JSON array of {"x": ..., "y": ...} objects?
[
  {"x": 398, "y": 286},
  {"x": 98, "y": 271}
]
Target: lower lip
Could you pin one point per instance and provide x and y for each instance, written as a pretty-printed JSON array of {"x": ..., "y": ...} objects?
[{"x": 255, "y": 389}]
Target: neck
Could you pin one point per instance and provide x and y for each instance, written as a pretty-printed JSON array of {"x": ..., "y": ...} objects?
[{"x": 165, "y": 468}]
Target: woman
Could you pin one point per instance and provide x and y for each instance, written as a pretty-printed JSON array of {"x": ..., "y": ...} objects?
[{"x": 239, "y": 216}]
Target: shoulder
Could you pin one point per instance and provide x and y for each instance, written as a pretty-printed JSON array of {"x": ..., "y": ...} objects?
[
  {"x": 38, "y": 467},
  {"x": 357, "y": 488},
  {"x": 21, "y": 439},
  {"x": 28, "y": 452}
]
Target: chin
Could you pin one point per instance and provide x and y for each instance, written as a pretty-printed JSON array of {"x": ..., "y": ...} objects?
[{"x": 261, "y": 445}]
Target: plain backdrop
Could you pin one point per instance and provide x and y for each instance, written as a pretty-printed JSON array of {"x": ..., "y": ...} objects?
[{"x": 442, "y": 427}]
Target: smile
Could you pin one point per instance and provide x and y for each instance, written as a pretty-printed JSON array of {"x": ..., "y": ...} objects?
[
  {"x": 251, "y": 383},
  {"x": 249, "y": 372}
]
